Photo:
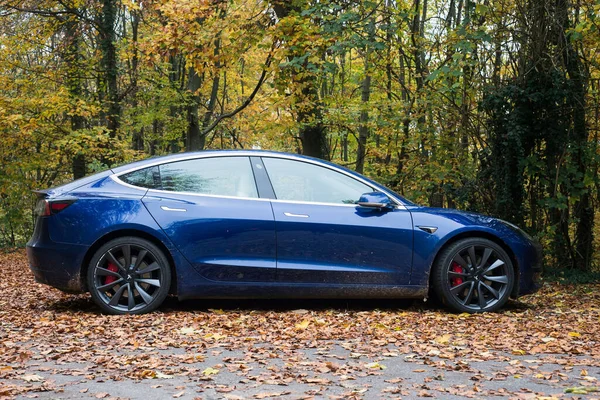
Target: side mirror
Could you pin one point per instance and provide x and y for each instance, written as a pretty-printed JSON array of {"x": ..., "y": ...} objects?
[{"x": 375, "y": 200}]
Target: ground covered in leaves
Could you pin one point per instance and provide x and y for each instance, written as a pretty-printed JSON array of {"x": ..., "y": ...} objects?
[{"x": 55, "y": 345}]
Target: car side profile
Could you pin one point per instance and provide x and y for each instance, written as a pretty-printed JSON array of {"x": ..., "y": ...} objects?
[{"x": 261, "y": 224}]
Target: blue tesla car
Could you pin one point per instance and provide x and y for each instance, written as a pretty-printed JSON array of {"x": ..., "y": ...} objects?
[{"x": 260, "y": 224}]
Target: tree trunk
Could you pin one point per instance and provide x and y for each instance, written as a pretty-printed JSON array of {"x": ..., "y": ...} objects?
[
  {"x": 176, "y": 66},
  {"x": 110, "y": 65},
  {"x": 138, "y": 135},
  {"x": 313, "y": 133},
  {"x": 74, "y": 84},
  {"x": 194, "y": 141},
  {"x": 363, "y": 129},
  {"x": 583, "y": 211},
  {"x": 214, "y": 92}
]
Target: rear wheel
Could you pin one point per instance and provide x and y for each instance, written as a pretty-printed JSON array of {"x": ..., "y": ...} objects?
[
  {"x": 129, "y": 275},
  {"x": 473, "y": 275}
]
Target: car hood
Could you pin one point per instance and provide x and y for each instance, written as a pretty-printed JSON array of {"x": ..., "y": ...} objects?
[{"x": 463, "y": 217}]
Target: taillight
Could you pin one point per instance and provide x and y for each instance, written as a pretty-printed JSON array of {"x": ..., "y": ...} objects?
[
  {"x": 45, "y": 208},
  {"x": 58, "y": 206}
]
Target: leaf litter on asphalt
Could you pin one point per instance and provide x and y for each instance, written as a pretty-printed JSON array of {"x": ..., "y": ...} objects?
[{"x": 39, "y": 324}]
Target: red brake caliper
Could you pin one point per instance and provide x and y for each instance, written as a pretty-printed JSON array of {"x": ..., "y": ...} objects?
[
  {"x": 456, "y": 268},
  {"x": 110, "y": 279}
]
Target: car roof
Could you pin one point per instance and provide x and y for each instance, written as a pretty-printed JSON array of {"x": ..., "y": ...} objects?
[
  {"x": 207, "y": 153},
  {"x": 249, "y": 153}
]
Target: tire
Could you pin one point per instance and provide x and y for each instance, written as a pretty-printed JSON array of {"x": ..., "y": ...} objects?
[
  {"x": 129, "y": 275},
  {"x": 473, "y": 275}
]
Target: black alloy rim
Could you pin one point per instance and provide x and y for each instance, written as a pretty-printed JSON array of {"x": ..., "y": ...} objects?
[
  {"x": 128, "y": 277},
  {"x": 478, "y": 277}
]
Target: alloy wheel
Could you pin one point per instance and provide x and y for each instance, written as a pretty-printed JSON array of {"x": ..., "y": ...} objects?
[
  {"x": 128, "y": 278},
  {"x": 478, "y": 277}
]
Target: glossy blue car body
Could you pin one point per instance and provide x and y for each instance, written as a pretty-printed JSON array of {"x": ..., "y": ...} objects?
[{"x": 228, "y": 247}]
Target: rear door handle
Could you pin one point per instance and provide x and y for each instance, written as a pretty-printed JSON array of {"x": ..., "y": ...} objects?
[
  {"x": 165, "y": 208},
  {"x": 287, "y": 214}
]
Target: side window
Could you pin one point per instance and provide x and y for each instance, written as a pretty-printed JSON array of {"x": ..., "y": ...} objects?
[
  {"x": 223, "y": 176},
  {"x": 146, "y": 178},
  {"x": 300, "y": 181}
]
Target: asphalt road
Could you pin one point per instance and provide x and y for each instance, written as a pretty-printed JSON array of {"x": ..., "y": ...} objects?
[{"x": 313, "y": 369}]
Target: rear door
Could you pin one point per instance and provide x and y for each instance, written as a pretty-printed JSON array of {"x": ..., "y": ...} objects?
[
  {"x": 324, "y": 237},
  {"x": 211, "y": 210}
]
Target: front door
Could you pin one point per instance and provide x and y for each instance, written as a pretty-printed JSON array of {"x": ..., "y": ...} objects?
[{"x": 324, "y": 237}]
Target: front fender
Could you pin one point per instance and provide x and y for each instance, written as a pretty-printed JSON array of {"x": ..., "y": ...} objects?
[{"x": 451, "y": 225}]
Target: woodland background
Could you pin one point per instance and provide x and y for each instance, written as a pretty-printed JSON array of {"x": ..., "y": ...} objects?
[{"x": 491, "y": 106}]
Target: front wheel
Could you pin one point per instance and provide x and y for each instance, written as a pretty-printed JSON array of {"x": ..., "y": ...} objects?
[
  {"x": 473, "y": 275},
  {"x": 129, "y": 275}
]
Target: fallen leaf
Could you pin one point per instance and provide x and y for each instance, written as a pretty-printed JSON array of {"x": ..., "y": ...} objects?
[
  {"x": 302, "y": 325},
  {"x": 210, "y": 371},
  {"x": 375, "y": 365},
  {"x": 444, "y": 339},
  {"x": 32, "y": 378}
]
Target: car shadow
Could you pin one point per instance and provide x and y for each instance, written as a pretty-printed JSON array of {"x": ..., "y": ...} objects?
[
  {"x": 517, "y": 306},
  {"x": 284, "y": 305},
  {"x": 84, "y": 304}
]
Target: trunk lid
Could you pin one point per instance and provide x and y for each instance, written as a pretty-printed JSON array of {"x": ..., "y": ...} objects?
[{"x": 69, "y": 187}]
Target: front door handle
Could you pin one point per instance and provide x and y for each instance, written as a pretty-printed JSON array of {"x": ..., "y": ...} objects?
[
  {"x": 288, "y": 214},
  {"x": 165, "y": 208}
]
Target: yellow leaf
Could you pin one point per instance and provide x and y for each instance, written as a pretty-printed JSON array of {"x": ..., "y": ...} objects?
[
  {"x": 302, "y": 325},
  {"x": 519, "y": 352},
  {"x": 444, "y": 339},
  {"x": 574, "y": 334},
  {"x": 210, "y": 371},
  {"x": 160, "y": 375},
  {"x": 148, "y": 374},
  {"x": 215, "y": 336},
  {"x": 375, "y": 365}
]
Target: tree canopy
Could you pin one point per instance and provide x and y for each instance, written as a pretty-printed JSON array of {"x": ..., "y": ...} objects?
[{"x": 480, "y": 105}]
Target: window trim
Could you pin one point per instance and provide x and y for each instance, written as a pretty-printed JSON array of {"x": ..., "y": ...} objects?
[{"x": 115, "y": 177}]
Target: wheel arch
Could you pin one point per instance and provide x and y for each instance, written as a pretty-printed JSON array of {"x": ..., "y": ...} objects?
[
  {"x": 483, "y": 235},
  {"x": 128, "y": 232}
]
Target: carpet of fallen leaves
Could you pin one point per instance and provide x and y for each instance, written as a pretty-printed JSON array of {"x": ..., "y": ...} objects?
[{"x": 41, "y": 324}]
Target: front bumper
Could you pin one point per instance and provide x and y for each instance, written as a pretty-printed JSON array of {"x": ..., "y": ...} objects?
[{"x": 531, "y": 269}]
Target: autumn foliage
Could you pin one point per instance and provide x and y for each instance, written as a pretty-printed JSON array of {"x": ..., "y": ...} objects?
[{"x": 487, "y": 106}]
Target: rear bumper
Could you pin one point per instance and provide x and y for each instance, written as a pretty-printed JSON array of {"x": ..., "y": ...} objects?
[{"x": 57, "y": 264}]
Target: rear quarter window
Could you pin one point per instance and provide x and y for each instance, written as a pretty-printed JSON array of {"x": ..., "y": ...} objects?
[{"x": 146, "y": 178}]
